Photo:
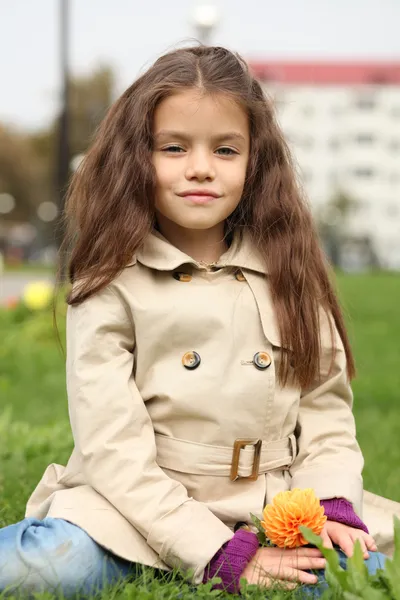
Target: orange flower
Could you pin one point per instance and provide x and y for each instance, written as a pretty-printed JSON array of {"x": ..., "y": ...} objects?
[{"x": 288, "y": 511}]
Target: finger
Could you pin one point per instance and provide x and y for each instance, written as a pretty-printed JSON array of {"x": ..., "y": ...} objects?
[
  {"x": 370, "y": 543},
  {"x": 305, "y": 551},
  {"x": 346, "y": 544},
  {"x": 363, "y": 547},
  {"x": 305, "y": 562},
  {"x": 269, "y": 582},
  {"x": 326, "y": 540},
  {"x": 363, "y": 543},
  {"x": 289, "y": 574}
]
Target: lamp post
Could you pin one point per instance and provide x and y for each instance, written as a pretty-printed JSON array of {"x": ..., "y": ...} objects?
[
  {"x": 63, "y": 150},
  {"x": 205, "y": 19}
]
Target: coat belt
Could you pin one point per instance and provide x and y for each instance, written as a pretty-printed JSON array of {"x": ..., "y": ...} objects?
[{"x": 203, "y": 459}]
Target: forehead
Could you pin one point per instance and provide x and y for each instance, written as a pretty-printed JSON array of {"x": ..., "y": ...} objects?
[{"x": 199, "y": 112}]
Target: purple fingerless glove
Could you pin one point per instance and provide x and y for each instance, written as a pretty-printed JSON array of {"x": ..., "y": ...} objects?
[
  {"x": 231, "y": 560},
  {"x": 341, "y": 510}
]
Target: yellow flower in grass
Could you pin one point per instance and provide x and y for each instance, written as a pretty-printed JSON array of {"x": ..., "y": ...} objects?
[
  {"x": 37, "y": 295},
  {"x": 288, "y": 511}
]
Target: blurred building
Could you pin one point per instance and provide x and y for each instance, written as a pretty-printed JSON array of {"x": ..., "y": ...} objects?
[{"x": 342, "y": 121}]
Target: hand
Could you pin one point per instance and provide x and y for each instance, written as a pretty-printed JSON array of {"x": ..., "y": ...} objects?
[
  {"x": 270, "y": 565},
  {"x": 345, "y": 537}
]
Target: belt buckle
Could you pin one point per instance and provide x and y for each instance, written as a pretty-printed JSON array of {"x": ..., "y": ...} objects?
[{"x": 237, "y": 447}]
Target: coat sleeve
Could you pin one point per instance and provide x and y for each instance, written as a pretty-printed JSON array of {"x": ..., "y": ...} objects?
[
  {"x": 113, "y": 432},
  {"x": 329, "y": 459}
]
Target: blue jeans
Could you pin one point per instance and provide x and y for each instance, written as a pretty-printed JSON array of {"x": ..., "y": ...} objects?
[
  {"x": 375, "y": 562},
  {"x": 55, "y": 555}
]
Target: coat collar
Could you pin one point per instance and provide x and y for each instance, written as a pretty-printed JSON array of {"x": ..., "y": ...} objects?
[{"x": 159, "y": 254}]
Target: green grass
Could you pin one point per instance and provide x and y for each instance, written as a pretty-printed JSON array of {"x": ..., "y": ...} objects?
[
  {"x": 372, "y": 306},
  {"x": 29, "y": 268},
  {"x": 34, "y": 428}
]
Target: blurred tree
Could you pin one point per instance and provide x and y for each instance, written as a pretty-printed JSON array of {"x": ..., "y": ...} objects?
[
  {"x": 18, "y": 174},
  {"x": 332, "y": 222},
  {"x": 340, "y": 240},
  {"x": 343, "y": 205},
  {"x": 28, "y": 161},
  {"x": 90, "y": 98}
]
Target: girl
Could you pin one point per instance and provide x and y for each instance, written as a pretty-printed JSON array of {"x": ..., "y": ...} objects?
[{"x": 208, "y": 364}]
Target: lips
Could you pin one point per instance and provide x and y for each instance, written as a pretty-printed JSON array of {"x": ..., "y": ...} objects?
[
  {"x": 199, "y": 193},
  {"x": 199, "y": 196}
]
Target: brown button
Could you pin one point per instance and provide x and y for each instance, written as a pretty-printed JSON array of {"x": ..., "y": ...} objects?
[
  {"x": 262, "y": 360},
  {"x": 191, "y": 360},
  {"x": 185, "y": 277},
  {"x": 239, "y": 275}
]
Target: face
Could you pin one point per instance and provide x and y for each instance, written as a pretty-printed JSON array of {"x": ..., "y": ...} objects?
[{"x": 201, "y": 150}]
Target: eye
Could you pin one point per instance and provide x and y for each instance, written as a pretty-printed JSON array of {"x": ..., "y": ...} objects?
[
  {"x": 174, "y": 149},
  {"x": 225, "y": 151}
]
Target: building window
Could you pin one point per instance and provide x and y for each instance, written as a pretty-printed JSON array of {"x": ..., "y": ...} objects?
[
  {"x": 393, "y": 210},
  {"x": 394, "y": 145},
  {"x": 334, "y": 144},
  {"x": 307, "y": 142},
  {"x": 308, "y": 111},
  {"x": 334, "y": 177},
  {"x": 365, "y": 139},
  {"x": 363, "y": 172},
  {"x": 307, "y": 176},
  {"x": 365, "y": 102},
  {"x": 396, "y": 112},
  {"x": 337, "y": 110}
]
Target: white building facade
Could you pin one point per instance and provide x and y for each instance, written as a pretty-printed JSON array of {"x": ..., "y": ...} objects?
[{"x": 342, "y": 122}]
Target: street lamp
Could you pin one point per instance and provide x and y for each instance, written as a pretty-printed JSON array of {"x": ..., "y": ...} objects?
[
  {"x": 205, "y": 19},
  {"x": 63, "y": 147}
]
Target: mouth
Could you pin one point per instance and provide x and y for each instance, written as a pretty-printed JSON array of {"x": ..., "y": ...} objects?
[{"x": 199, "y": 196}]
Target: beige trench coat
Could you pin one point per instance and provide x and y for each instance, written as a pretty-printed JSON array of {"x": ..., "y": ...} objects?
[{"x": 149, "y": 476}]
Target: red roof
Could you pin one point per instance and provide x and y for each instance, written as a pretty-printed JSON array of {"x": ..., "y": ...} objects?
[{"x": 327, "y": 72}]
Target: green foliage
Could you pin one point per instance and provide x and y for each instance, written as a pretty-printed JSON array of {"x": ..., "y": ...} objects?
[
  {"x": 371, "y": 304},
  {"x": 354, "y": 582},
  {"x": 262, "y": 538}
]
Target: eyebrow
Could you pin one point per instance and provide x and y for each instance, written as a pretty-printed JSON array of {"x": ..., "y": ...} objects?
[{"x": 230, "y": 135}]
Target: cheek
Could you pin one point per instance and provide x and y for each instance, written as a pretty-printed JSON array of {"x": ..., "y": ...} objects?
[
  {"x": 236, "y": 183},
  {"x": 164, "y": 174},
  {"x": 236, "y": 176}
]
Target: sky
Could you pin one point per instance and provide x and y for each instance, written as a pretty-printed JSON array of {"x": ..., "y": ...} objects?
[{"x": 130, "y": 34}]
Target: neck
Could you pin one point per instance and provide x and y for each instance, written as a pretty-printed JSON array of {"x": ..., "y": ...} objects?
[{"x": 203, "y": 245}]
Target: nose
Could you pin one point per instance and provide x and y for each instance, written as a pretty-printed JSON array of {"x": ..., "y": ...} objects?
[{"x": 200, "y": 166}]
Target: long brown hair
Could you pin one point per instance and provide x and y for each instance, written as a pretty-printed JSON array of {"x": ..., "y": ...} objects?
[{"x": 110, "y": 204}]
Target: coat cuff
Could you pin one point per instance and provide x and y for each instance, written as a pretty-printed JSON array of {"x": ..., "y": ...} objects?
[
  {"x": 230, "y": 561},
  {"x": 199, "y": 534},
  {"x": 330, "y": 483},
  {"x": 341, "y": 511}
]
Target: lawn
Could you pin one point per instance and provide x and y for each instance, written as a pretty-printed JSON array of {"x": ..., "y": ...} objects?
[{"x": 34, "y": 427}]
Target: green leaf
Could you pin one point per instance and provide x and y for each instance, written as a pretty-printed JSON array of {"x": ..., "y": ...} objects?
[
  {"x": 371, "y": 594},
  {"x": 257, "y": 522},
  {"x": 393, "y": 578},
  {"x": 262, "y": 538},
  {"x": 396, "y": 554},
  {"x": 310, "y": 536},
  {"x": 357, "y": 572},
  {"x": 391, "y": 571},
  {"x": 357, "y": 560},
  {"x": 335, "y": 575},
  {"x": 350, "y": 596}
]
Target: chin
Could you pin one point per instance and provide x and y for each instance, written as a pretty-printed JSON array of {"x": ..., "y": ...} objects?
[{"x": 198, "y": 224}]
